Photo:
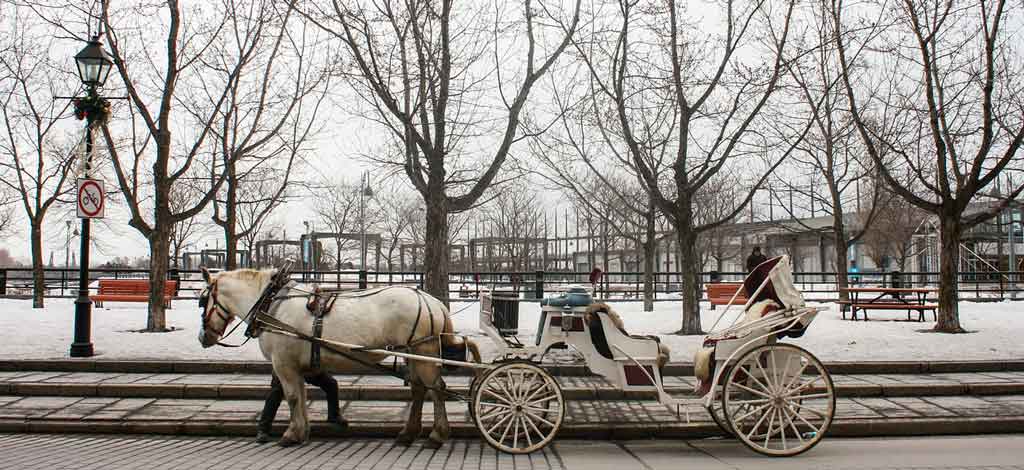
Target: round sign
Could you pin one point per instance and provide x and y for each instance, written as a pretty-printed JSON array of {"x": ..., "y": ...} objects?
[{"x": 90, "y": 199}]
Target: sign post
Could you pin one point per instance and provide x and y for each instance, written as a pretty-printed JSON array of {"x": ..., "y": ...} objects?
[{"x": 91, "y": 199}]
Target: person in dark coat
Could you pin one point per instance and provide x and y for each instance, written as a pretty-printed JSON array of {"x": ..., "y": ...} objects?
[
  {"x": 755, "y": 258},
  {"x": 273, "y": 402}
]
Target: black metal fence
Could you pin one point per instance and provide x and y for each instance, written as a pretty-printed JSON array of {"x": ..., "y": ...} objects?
[{"x": 17, "y": 282}]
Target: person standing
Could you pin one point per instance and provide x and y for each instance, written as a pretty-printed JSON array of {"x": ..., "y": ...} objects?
[
  {"x": 755, "y": 258},
  {"x": 273, "y": 402}
]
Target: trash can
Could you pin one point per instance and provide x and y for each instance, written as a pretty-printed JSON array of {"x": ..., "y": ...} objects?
[{"x": 506, "y": 311}]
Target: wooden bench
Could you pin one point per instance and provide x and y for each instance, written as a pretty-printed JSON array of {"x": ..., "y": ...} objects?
[
  {"x": 719, "y": 293},
  {"x": 920, "y": 308},
  {"x": 130, "y": 290}
]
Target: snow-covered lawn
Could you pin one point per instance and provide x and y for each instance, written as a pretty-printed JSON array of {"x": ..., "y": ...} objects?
[{"x": 998, "y": 332}]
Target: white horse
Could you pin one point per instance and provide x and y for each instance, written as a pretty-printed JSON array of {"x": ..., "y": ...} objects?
[{"x": 389, "y": 316}]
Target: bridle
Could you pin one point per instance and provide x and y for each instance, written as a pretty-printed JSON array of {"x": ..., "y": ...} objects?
[{"x": 208, "y": 294}]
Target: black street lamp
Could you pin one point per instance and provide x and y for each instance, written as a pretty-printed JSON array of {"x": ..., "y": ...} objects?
[{"x": 94, "y": 66}]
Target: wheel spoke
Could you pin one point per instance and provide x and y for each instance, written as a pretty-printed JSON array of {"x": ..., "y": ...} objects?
[
  {"x": 515, "y": 432},
  {"x": 526, "y": 432},
  {"x": 494, "y": 413},
  {"x": 542, "y": 400},
  {"x": 543, "y": 386},
  {"x": 804, "y": 385},
  {"x": 539, "y": 418},
  {"x": 526, "y": 418},
  {"x": 499, "y": 423},
  {"x": 507, "y": 427},
  {"x": 764, "y": 373},
  {"x": 771, "y": 425},
  {"x": 775, "y": 370},
  {"x": 812, "y": 396},
  {"x": 756, "y": 392},
  {"x": 750, "y": 374},
  {"x": 750, "y": 413},
  {"x": 499, "y": 397},
  {"x": 796, "y": 432},
  {"x": 799, "y": 373},
  {"x": 801, "y": 417},
  {"x": 756, "y": 425}
]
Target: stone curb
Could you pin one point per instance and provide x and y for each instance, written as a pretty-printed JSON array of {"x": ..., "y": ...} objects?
[
  {"x": 672, "y": 369},
  {"x": 597, "y": 431},
  {"x": 402, "y": 393}
]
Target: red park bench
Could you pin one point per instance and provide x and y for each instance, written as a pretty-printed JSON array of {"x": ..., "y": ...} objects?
[
  {"x": 130, "y": 290},
  {"x": 719, "y": 293}
]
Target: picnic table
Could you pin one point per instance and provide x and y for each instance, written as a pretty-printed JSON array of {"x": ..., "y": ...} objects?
[{"x": 888, "y": 298}]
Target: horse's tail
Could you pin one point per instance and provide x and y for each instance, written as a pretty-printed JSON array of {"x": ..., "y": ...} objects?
[{"x": 449, "y": 340}]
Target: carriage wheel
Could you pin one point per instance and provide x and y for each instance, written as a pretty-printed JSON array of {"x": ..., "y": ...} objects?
[
  {"x": 715, "y": 410},
  {"x": 518, "y": 407},
  {"x": 779, "y": 400}
]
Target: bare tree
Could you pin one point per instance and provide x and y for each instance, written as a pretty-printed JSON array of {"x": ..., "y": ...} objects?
[
  {"x": 514, "y": 216},
  {"x": 269, "y": 118},
  {"x": 422, "y": 68},
  {"x": 337, "y": 211},
  {"x": 185, "y": 232},
  {"x": 154, "y": 90},
  {"x": 945, "y": 131},
  {"x": 667, "y": 83},
  {"x": 34, "y": 163},
  {"x": 891, "y": 236},
  {"x": 399, "y": 212}
]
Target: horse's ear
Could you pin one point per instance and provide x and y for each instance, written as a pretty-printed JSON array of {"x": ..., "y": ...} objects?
[{"x": 206, "y": 275}]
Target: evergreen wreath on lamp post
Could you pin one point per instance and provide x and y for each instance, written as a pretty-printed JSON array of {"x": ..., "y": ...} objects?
[{"x": 93, "y": 108}]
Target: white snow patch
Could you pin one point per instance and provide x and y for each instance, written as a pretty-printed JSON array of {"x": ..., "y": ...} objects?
[{"x": 998, "y": 330}]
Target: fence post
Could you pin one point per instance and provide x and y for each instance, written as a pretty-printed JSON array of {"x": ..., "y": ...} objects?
[
  {"x": 3, "y": 282},
  {"x": 539, "y": 285},
  {"x": 362, "y": 279}
]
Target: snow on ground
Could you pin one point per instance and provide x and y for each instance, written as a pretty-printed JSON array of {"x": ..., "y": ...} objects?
[{"x": 998, "y": 332}]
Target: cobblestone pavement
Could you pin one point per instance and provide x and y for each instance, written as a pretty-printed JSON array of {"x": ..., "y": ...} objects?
[
  {"x": 388, "y": 388},
  {"x": 137, "y": 452},
  {"x": 577, "y": 412}
]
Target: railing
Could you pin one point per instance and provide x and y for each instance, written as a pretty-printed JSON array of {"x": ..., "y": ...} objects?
[{"x": 17, "y": 282}]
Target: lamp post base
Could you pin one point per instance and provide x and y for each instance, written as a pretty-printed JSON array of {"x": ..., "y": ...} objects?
[
  {"x": 81, "y": 350},
  {"x": 82, "y": 346}
]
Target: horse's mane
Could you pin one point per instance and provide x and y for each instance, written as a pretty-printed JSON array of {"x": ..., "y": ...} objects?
[{"x": 246, "y": 274}]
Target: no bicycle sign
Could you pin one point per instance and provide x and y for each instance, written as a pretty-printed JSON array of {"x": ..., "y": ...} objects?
[{"x": 90, "y": 199}]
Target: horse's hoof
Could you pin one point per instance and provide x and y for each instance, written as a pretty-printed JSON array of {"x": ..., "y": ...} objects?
[
  {"x": 405, "y": 440},
  {"x": 288, "y": 442},
  {"x": 432, "y": 444}
]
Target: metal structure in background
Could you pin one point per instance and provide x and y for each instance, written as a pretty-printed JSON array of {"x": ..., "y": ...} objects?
[
  {"x": 620, "y": 286},
  {"x": 94, "y": 65}
]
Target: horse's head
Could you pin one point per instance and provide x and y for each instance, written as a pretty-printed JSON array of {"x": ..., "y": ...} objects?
[{"x": 215, "y": 317}]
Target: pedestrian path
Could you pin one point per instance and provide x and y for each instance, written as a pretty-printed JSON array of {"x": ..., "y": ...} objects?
[
  {"x": 379, "y": 387},
  {"x": 622, "y": 418}
]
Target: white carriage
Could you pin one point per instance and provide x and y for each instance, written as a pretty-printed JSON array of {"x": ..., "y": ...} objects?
[{"x": 776, "y": 398}]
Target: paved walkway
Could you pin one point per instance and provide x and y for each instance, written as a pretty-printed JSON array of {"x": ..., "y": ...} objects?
[
  {"x": 378, "y": 387},
  {"x": 31, "y": 452}
]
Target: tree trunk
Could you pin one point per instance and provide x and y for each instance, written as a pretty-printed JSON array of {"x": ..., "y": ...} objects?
[
  {"x": 159, "y": 244},
  {"x": 949, "y": 256},
  {"x": 842, "y": 252},
  {"x": 650, "y": 257},
  {"x": 435, "y": 245},
  {"x": 689, "y": 268},
  {"x": 231, "y": 220},
  {"x": 38, "y": 275}
]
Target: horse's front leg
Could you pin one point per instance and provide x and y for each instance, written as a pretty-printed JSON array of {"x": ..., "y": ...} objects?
[{"x": 295, "y": 393}]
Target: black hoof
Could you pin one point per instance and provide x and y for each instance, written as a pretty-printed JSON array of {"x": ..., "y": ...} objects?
[
  {"x": 288, "y": 442},
  {"x": 432, "y": 444},
  {"x": 405, "y": 440}
]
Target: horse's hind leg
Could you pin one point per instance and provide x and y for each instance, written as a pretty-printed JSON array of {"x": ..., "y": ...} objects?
[
  {"x": 295, "y": 393},
  {"x": 414, "y": 422},
  {"x": 431, "y": 375}
]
